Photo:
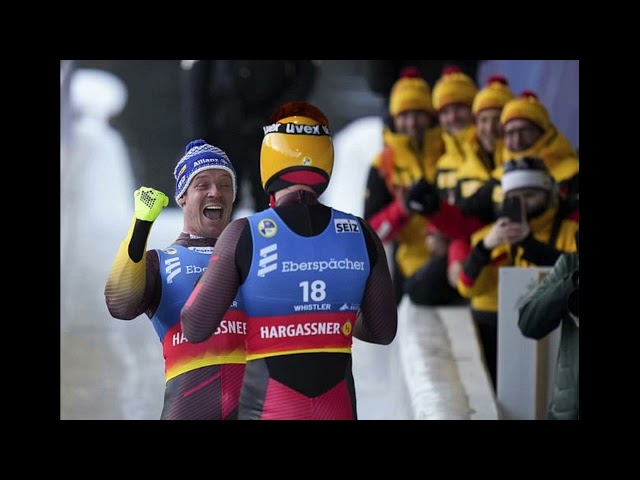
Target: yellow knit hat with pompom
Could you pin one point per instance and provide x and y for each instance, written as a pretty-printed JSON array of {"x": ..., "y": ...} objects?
[
  {"x": 528, "y": 107},
  {"x": 410, "y": 92},
  {"x": 495, "y": 94},
  {"x": 454, "y": 86}
]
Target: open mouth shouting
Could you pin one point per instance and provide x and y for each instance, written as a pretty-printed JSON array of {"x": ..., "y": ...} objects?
[{"x": 213, "y": 212}]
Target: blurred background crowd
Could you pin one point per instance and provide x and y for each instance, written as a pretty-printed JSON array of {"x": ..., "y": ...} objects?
[{"x": 170, "y": 102}]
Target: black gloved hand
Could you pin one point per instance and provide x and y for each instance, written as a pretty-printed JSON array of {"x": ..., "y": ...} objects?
[{"x": 422, "y": 198}]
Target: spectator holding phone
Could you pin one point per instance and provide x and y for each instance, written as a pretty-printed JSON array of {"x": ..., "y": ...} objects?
[
  {"x": 535, "y": 227},
  {"x": 527, "y": 132}
]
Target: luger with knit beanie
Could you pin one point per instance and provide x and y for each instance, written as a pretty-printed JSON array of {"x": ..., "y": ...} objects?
[{"x": 202, "y": 382}]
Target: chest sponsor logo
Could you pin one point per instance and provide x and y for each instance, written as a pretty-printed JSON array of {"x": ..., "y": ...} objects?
[
  {"x": 344, "y": 225},
  {"x": 205, "y": 250},
  {"x": 172, "y": 268},
  {"x": 268, "y": 259},
  {"x": 312, "y": 307},
  {"x": 346, "y": 329},
  {"x": 322, "y": 265},
  {"x": 349, "y": 307},
  {"x": 306, "y": 329},
  {"x": 226, "y": 327},
  {"x": 194, "y": 269}
]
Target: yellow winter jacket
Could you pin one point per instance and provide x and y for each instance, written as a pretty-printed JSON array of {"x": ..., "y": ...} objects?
[
  {"x": 483, "y": 290},
  {"x": 474, "y": 172},
  {"x": 554, "y": 149},
  {"x": 452, "y": 159},
  {"x": 401, "y": 166}
]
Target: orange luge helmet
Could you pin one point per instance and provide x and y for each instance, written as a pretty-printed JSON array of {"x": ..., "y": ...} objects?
[{"x": 297, "y": 149}]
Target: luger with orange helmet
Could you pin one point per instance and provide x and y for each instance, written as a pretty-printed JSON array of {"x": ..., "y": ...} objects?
[
  {"x": 312, "y": 277},
  {"x": 297, "y": 149}
]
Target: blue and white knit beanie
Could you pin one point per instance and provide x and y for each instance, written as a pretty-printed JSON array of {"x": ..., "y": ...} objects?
[{"x": 199, "y": 156}]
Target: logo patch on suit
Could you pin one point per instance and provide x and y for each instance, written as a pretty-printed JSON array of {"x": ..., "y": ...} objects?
[
  {"x": 267, "y": 228},
  {"x": 344, "y": 225}
]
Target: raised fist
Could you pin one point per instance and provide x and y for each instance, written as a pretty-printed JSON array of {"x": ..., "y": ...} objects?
[{"x": 149, "y": 202}]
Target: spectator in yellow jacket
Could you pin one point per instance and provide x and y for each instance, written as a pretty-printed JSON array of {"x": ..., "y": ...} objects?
[
  {"x": 482, "y": 154},
  {"x": 453, "y": 96},
  {"x": 528, "y": 131},
  {"x": 546, "y": 228},
  {"x": 485, "y": 149},
  {"x": 412, "y": 144}
]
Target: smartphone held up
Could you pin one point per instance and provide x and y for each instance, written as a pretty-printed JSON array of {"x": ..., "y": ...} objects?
[{"x": 512, "y": 209}]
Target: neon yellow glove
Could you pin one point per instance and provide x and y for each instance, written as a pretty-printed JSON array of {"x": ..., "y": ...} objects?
[{"x": 149, "y": 203}]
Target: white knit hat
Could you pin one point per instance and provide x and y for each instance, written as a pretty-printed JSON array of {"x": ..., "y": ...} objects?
[{"x": 526, "y": 172}]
